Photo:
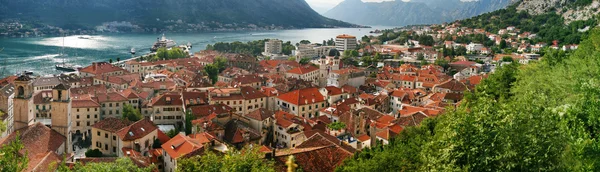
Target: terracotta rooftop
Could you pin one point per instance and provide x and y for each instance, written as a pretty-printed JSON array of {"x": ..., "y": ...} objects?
[
  {"x": 112, "y": 124},
  {"x": 303, "y": 69},
  {"x": 260, "y": 114},
  {"x": 303, "y": 96},
  {"x": 38, "y": 140},
  {"x": 101, "y": 68},
  {"x": 137, "y": 130},
  {"x": 182, "y": 145}
]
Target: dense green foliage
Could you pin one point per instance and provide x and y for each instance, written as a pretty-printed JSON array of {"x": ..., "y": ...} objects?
[
  {"x": 548, "y": 26},
  {"x": 172, "y": 133},
  {"x": 131, "y": 113},
  {"x": 248, "y": 159},
  {"x": 539, "y": 117},
  {"x": 123, "y": 164},
  {"x": 93, "y": 153},
  {"x": 189, "y": 117},
  {"x": 336, "y": 125},
  {"x": 213, "y": 70},
  {"x": 254, "y": 48},
  {"x": 167, "y": 54},
  {"x": 11, "y": 159}
]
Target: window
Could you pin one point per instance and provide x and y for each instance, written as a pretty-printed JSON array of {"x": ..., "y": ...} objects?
[
  {"x": 105, "y": 135},
  {"x": 98, "y": 133},
  {"x": 105, "y": 146},
  {"x": 117, "y": 112},
  {"x": 88, "y": 109},
  {"x": 88, "y": 116},
  {"x": 77, "y": 116},
  {"x": 77, "y": 109},
  {"x": 78, "y": 123},
  {"x": 114, "y": 149},
  {"x": 88, "y": 123},
  {"x": 117, "y": 104}
]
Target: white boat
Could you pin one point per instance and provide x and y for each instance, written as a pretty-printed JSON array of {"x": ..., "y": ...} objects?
[
  {"x": 132, "y": 50},
  {"x": 162, "y": 42}
]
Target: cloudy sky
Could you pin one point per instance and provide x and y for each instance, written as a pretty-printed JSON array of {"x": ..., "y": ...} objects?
[{"x": 322, "y": 6}]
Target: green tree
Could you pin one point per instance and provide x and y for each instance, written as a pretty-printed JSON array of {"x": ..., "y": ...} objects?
[
  {"x": 291, "y": 58},
  {"x": 189, "y": 117},
  {"x": 213, "y": 72},
  {"x": 156, "y": 144},
  {"x": 172, "y": 133},
  {"x": 507, "y": 59},
  {"x": 121, "y": 165},
  {"x": 221, "y": 63},
  {"x": 420, "y": 56},
  {"x": 248, "y": 159},
  {"x": 365, "y": 39},
  {"x": 110, "y": 61},
  {"x": 304, "y": 61},
  {"x": 131, "y": 113},
  {"x": 502, "y": 44},
  {"x": 93, "y": 153},
  {"x": 336, "y": 126},
  {"x": 118, "y": 59},
  {"x": 11, "y": 156},
  {"x": 305, "y": 42}
]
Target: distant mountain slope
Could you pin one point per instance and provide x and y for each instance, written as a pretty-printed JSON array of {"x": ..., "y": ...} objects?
[
  {"x": 155, "y": 13},
  {"x": 399, "y": 13}
]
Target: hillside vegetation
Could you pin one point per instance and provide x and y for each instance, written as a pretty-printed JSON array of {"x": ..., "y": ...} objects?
[{"x": 541, "y": 117}]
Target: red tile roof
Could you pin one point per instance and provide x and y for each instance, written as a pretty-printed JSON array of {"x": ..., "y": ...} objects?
[
  {"x": 320, "y": 152},
  {"x": 101, "y": 68},
  {"x": 137, "y": 130},
  {"x": 38, "y": 140},
  {"x": 167, "y": 99},
  {"x": 260, "y": 114},
  {"x": 112, "y": 124},
  {"x": 181, "y": 145},
  {"x": 303, "y": 69},
  {"x": 303, "y": 96},
  {"x": 331, "y": 90},
  {"x": 84, "y": 103}
]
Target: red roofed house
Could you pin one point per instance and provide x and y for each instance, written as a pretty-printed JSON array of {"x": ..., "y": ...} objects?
[
  {"x": 112, "y": 104},
  {"x": 303, "y": 102},
  {"x": 166, "y": 109},
  {"x": 111, "y": 135},
  {"x": 289, "y": 129},
  {"x": 101, "y": 68},
  {"x": 333, "y": 94},
  {"x": 42, "y": 144},
  {"x": 243, "y": 100},
  {"x": 306, "y": 72},
  {"x": 85, "y": 112}
]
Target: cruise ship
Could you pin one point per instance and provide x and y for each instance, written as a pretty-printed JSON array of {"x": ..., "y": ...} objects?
[{"x": 162, "y": 42}]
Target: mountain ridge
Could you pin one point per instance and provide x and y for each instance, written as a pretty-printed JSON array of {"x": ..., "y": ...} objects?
[
  {"x": 400, "y": 13},
  {"x": 73, "y": 14}
]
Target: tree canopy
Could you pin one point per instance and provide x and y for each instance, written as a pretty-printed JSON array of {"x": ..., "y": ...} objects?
[
  {"x": 131, "y": 113},
  {"x": 123, "y": 164},
  {"x": 11, "y": 157},
  {"x": 248, "y": 159}
]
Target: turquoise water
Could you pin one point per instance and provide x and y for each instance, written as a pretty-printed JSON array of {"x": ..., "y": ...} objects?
[{"x": 39, "y": 55}]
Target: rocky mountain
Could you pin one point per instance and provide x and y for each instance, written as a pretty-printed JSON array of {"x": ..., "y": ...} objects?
[
  {"x": 399, "y": 13},
  {"x": 570, "y": 10},
  {"x": 163, "y": 13}
]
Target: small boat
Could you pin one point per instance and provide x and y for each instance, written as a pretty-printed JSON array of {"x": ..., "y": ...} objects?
[
  {"x": 83, "y": 37},
  {"x": 66, "y": 67},
  {"x": 132, "y": 51}
]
